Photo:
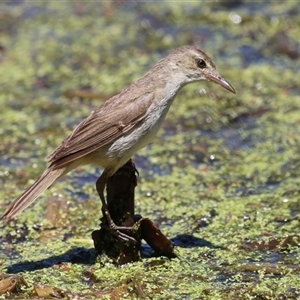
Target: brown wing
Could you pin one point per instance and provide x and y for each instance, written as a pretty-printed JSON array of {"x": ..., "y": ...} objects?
[{"x": 103, "y": 126}]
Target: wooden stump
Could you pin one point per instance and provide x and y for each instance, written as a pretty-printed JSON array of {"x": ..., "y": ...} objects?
[{"x": 120, "y": 203}]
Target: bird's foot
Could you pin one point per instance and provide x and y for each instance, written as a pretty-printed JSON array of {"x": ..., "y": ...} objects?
[{"x": 117, "y": 231}]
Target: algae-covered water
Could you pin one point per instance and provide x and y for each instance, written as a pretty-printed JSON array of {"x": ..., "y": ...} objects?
[{"x": 221, "y": 179}]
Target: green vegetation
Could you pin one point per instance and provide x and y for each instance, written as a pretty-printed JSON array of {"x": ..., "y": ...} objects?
[{"x": 221, "y": 179}]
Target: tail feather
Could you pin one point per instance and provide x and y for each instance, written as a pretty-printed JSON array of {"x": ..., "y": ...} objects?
[{"x": 23, "y": 201}]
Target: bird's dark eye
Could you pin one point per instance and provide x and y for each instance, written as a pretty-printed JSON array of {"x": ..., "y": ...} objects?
[{"x": 201, "y": 63}]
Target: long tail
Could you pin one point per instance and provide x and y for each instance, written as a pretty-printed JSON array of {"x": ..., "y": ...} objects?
[{"x": 22, "y": 202}]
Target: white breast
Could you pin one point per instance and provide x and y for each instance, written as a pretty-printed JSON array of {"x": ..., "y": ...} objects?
[
  {"x": 122, "y": 149},
  {"x": 141, "y": 135}
]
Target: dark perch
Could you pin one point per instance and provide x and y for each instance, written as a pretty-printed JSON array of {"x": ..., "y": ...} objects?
[{"x": 120, "y": 203}]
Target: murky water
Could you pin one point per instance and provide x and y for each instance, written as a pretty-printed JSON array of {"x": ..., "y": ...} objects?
[{"x": 221, "y": 179}]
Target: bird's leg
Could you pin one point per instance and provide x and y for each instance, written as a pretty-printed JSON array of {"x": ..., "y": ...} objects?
[{"x": 100, "y": 186}]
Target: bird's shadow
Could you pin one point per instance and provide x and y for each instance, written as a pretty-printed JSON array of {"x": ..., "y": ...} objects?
[
  {"x": 190, "y": 241},
  {"x": 80, "y": 255}
]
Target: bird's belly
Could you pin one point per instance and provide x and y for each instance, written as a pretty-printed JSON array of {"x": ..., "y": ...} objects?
[
  {"x": 138, "y": 137},
  {"x": 141, "y": 135},
  {"x": 117, "y": 153}
]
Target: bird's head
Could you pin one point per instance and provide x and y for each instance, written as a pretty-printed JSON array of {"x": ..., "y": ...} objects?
[{"x": 195, "y": 65}]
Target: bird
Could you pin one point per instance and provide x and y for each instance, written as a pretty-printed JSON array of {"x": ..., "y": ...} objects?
[{"x": 123, "y": 124}]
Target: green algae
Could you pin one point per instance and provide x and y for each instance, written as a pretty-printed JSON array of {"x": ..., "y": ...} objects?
[{"x": 223, "y": 171}]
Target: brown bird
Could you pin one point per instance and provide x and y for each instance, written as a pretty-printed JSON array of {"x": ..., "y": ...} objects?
[{"x": 123, "y": 124}]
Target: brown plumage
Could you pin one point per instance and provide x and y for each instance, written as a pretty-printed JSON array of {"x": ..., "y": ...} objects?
[{"x": 123, "y": 124}]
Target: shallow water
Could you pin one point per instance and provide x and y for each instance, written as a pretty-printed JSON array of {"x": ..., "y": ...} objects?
[{"x": 221, "y": 179}]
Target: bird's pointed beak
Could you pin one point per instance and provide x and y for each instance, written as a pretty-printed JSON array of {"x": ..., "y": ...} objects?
[{"x": 215, "y": 77}]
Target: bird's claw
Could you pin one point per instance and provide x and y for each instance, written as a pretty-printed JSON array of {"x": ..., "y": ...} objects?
[{"x": 116, "y": 231}]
